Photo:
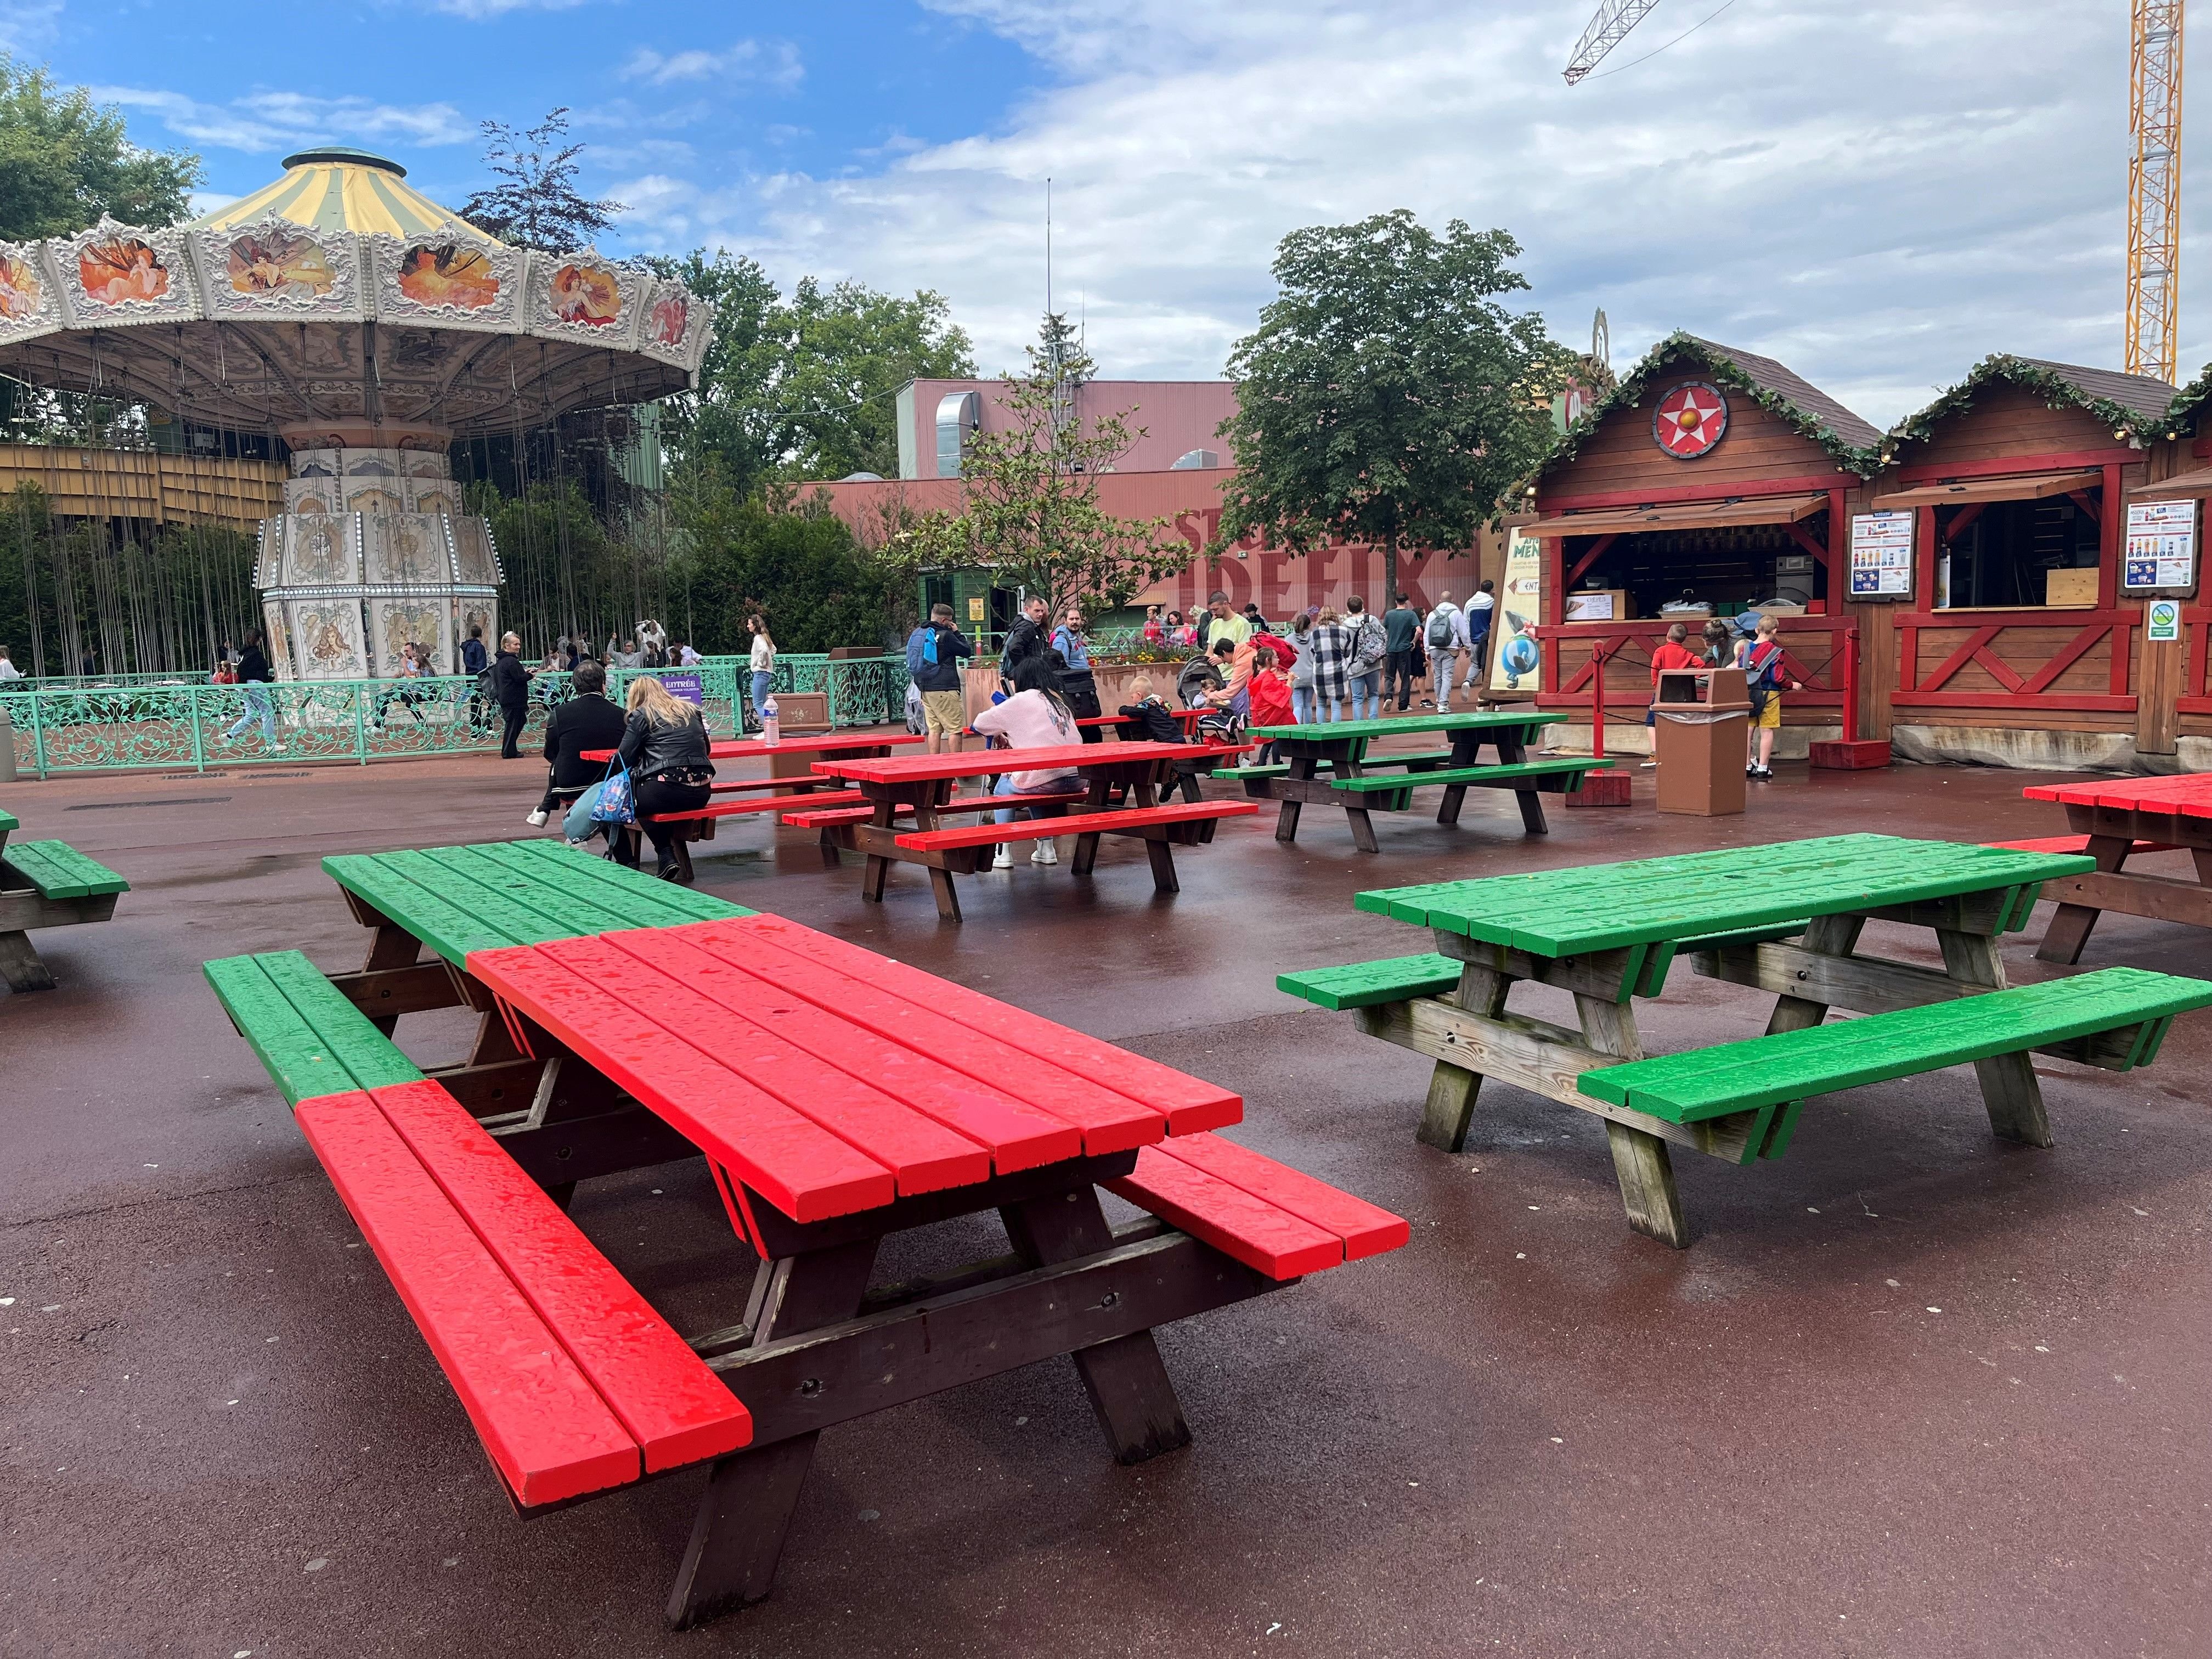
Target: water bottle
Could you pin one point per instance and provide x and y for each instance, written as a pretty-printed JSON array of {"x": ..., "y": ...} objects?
[{"x": 771, "y": 734}]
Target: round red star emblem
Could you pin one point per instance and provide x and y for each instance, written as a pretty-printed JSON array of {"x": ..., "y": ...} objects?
[{"x": 1690, "y": 420}]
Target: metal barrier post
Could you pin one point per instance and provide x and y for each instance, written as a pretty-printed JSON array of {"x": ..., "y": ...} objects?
[{"x": 199, "y": 740}]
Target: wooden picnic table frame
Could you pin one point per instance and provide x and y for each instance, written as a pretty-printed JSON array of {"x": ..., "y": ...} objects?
[
  {"x": 919, "y": 785},
  {"x": 1470, "y": 1035},
  {"x": 1343, "y": 744},
  {"x": 24, "y": 905},
  {"x": 2115, "y": 815}
]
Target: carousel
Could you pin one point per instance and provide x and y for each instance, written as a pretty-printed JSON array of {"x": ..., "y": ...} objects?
[{"x": 368, "y": 328}]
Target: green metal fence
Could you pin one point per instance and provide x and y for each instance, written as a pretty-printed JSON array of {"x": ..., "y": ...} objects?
[{"x": 107, "y": 727}]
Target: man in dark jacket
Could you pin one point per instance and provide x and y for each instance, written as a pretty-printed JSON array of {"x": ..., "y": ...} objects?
[
  {"x": 933, "y": 658},
  {"x": 1028, "y": 636},
  {"x": 587, "y": 721},
  {"x": 253, "y": 675},
  {"x": 510, "y": 689}
]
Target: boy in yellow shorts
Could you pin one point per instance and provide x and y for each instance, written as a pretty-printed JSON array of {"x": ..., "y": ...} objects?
[{"x": 1761, "y": 658}]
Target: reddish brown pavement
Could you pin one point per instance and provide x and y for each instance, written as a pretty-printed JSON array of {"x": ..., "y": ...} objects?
[{"x": 1912, "y": 1391}]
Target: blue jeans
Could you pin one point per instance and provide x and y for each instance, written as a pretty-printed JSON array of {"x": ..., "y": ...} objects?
[
  {"x": 256, "y": 707},
  {"x": 1303, "y": 704},
  {"x": 1008, "y": 814},
  {"x": 761, "y": 679},
  {"x": 1366, "y": 703}
]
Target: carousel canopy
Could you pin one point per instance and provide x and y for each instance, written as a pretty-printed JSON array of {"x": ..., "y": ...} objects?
[{"x": 337, "y": 298}]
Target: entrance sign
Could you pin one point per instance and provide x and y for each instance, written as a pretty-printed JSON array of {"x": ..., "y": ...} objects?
[
  {"x": 1516, "y": 662},
  {"x": 1881, "y": 556},
  {"x": 2162, "y": 622},
  {"x": 1690, "y": 420},
  {"x": 2161, "y": 548},
  {"x": 686, "y": 686}
]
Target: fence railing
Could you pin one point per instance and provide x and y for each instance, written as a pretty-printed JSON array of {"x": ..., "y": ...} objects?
[{"x": 109, "y": 726}]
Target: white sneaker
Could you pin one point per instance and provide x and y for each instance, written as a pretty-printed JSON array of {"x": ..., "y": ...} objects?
[
  {"x": 1004, "y": 861},
  {"x": 536, "y": 820},
  {"x": 1045, "y": 853}
]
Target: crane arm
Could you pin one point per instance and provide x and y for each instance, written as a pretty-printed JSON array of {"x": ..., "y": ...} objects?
[{"x": 1607, "y": 30}]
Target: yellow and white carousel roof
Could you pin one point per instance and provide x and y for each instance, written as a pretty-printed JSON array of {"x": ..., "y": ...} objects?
[
  {"x": 250, "y": 317},
  {"x": 335, "y": 188}
]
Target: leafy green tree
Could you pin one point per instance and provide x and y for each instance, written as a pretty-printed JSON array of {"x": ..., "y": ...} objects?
[
  {"x": 1029, "y": 497},
  {"x": 799, "y": 568},
  {"x": 1386, "y": 395},
  {"x": 806, "y": 388},
  {"x": 537, "y": 203},
  {"x": 64, "y": 161}
]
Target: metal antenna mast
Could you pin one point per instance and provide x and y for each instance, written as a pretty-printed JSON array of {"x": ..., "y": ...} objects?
[
  {"x": 1610, "y": 28},
  {"x": 2155, "y": 188}
]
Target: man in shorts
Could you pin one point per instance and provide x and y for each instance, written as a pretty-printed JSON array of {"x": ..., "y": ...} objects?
[{"x": 932, "y": 657}]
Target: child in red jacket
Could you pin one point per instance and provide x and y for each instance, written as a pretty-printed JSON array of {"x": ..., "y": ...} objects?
[{"x": 1271, "y": 696}]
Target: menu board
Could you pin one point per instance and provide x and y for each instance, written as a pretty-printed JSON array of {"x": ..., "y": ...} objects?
[
  {"x": 2161, "y": 550},
  {"x": 1881, "y": 556}
]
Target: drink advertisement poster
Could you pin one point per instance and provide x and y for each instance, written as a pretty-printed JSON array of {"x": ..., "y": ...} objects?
[
  {"x": 1881, "y": 556},
  {"x": 2161, "y": 550},
  {"x": 1516, "y": 662}
]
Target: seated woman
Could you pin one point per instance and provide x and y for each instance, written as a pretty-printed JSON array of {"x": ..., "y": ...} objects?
[
  {"x": 1035, "y": 717},
  {"x": 665, "y": 746}
]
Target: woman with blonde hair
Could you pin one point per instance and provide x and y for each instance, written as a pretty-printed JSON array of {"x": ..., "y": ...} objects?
[{"x": 664, "y": 745}]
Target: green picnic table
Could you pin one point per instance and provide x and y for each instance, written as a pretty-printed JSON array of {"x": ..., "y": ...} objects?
[
  {"x": 1363, "y": 783},
  {"x": 1783, "y": 919},
  {"x": 45, "y": 883},
  {"x": 452, "y": 901}
]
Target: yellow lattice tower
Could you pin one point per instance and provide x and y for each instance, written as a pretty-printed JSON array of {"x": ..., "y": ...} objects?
[{"x": 2155, "y": 188}]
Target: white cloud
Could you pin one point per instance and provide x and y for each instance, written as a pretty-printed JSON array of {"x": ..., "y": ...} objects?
[
  {"x": 263, "y": 121},
  {"x": 1878, "y": 195},
  {"x": 772, "y": 62},
  {"x": 27, "y": 25},
  {"x": 478, "y": 10}
]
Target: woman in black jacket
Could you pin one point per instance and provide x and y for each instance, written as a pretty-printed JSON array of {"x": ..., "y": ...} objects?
[
  {"x": 587, "y": 721},
  {"x": 665, "y": 747},
  {"x": 510, "y": 689}
]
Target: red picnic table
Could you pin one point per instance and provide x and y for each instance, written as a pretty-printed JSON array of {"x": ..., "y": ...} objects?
[
  {"x": 899, "y": 785},
  {"x": 2112, "y": 818},
  {"x": 785, "y": 789}
]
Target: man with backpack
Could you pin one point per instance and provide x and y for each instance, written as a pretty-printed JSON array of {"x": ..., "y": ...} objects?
[
  {"x": 1761, "y": 658},
  {"x": 1030, "y": 637},
  {"x": 1369, "y": 647},
  {"x": 933, "y": 658},
  {"x": 1447, "y": 637}
]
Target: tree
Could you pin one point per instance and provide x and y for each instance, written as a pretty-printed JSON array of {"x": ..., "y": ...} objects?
[
  {"x": 64, "y": 161},
  {"x": 806, "y": 388},
  {"x": 1387, "y": 397},
  {"x": 539, "y": 205},
  {"x": 1031, "y": 509},
  {"x": 801, "y": 569}
]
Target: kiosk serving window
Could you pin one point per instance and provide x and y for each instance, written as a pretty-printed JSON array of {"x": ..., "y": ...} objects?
[
  {"x": 2016, "y": 555},
  {"x": 1727, "y": 569}
]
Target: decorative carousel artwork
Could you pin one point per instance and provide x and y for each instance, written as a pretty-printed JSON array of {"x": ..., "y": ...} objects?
[
  {"x": 307, "y": 495},
  {"x": 279, "y": 639},
  {"x": 407, "y": 550},
  {"x": 118, "y": 269},
  {"x": 280, "y": 260},
  {"x": 584, "y": 294},
  {"x": 375, "y": 498},
  {"x": 448, "y": 274},
  {"x": 666, "y": 321},
  {"x": 328, "y": 635},
  {"x": 436, "y": 497},
  {"x": 22, "y": 290},
  {"x": 402, "y": 621},
  {"x": 474, "y": 556}
]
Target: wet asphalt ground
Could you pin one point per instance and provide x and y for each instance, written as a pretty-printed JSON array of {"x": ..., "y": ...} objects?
[{"x": 1911, "y": 1391}]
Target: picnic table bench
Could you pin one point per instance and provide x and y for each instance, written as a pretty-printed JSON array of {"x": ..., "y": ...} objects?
[
  {"x": 1783, "y": 919},
  {"x": 2113, "y": 820},
  {"x": 917, "y": 785},
  {"x": 1363, "y": 783},
  {"x": 838, "y": 1098},
  {"x": 45, "y": 883}
]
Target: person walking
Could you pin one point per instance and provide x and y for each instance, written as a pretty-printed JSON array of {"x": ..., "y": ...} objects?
[
  {"x": 664, "y": 745},
  {"x": 1420, "y": 659},
  {"x": 1402, "y": 627},
  {"x": 1035, "y": 717},
  {"x": 253, "y": 675},
  {"x": 1480, "y": 610},
  {"x": 475, "y": 660},
  {"x": 1077, "y": 685},
  {"x": 1332, "y": 665},
  {"x": 1446, "y": 635},
  {"x": 586, "y": 720},
  {"x": 934, "y": 651},
  {"x": 1302, "y": 670},
  {"x": 510, "y": 689},
  {"x": 1363, "y": 676},
  {"x": 1761, "y": 658},
  {"x": 761, "y": 663},
  {"x": 7, "y": 669}
]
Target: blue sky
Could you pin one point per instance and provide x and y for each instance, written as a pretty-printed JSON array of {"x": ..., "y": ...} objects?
[{"x": 1878, "y": 194}]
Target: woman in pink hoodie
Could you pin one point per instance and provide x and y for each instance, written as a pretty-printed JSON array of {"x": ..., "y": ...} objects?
[{"x": 1035, "y": 717}]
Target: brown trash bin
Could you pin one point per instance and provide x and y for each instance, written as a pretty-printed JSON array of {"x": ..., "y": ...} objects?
[{"x": 1705, "y": 715}]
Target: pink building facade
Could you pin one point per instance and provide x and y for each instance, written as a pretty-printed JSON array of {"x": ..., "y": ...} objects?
[{"x": 1181, "y": 421}]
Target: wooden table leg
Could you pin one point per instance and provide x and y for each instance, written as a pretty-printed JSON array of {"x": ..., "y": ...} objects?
[
  {"x": 1640, "y": 1160},
  {"x": 738, "y": 1534},
  {"x": 2009, "y": 1089},
  {"x": 1828, "y": 936},
  {"x": 20, "y": 963},
  {"x": 1467, "y": 749},
  {"x": 1126, "y": 1379},
  {"x": 877, "y": 867},
  {"x": 1286, "y": 820},
  {"x": 1449, "y": 1107},
  {"x": 2070, "y": 927},
  {"x": 1163, "y": 870}
]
